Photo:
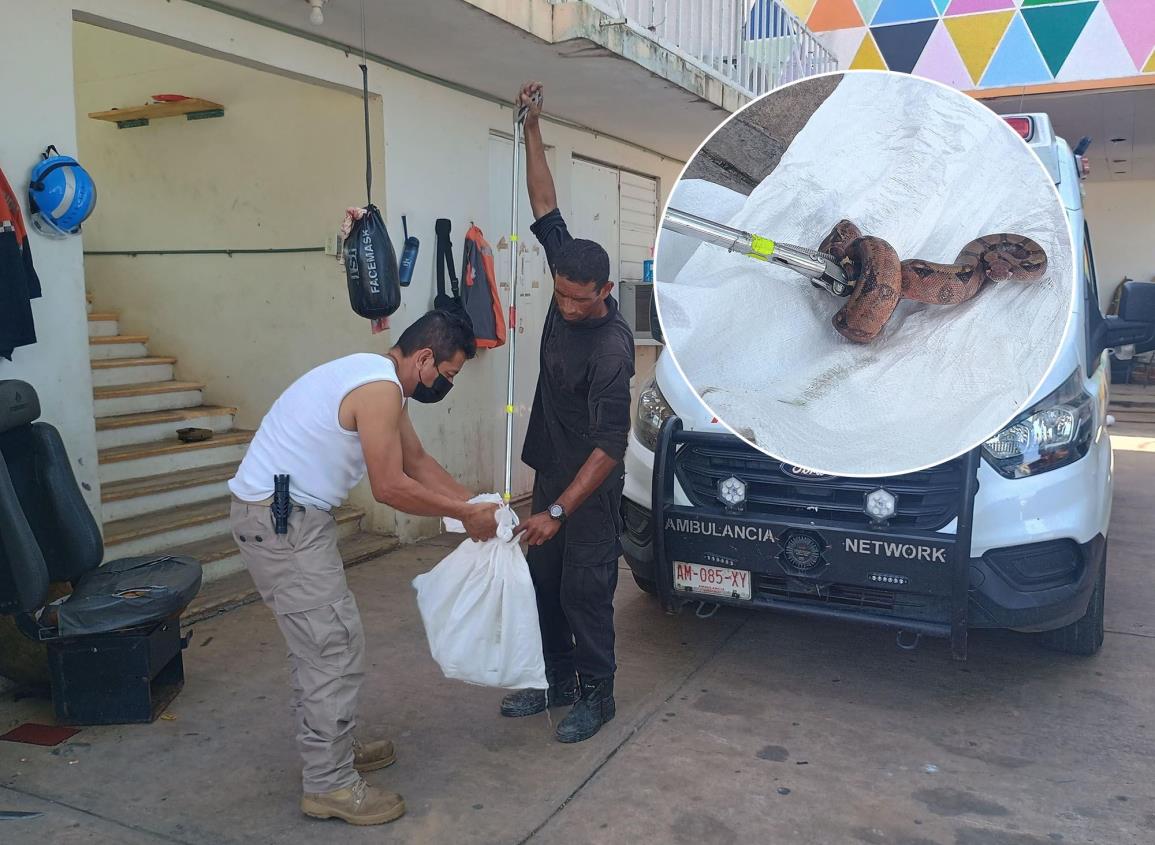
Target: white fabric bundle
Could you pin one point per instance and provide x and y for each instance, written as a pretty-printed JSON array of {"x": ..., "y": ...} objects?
[{"x": 480, "y": 610}]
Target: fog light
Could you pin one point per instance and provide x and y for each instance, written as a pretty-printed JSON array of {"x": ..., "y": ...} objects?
[
  {"x": 732, "y": 492},
  {"x": 880, "y": 506}
]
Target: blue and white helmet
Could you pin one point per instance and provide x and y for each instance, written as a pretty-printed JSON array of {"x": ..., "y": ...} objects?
[{"x": 61, "y": 195}]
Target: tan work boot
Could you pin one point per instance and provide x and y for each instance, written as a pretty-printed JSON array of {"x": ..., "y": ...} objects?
[
  {"x": 376, "y": 755},
  {"x": 358, "y": 804}
]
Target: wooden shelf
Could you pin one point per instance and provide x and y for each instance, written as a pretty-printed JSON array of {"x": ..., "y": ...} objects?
[{"x": 193, "y": 108}]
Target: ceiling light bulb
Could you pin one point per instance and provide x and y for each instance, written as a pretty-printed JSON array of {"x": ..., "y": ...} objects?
[{"x": 315, "y": 14}]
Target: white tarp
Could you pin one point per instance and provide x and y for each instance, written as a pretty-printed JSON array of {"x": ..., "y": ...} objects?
[{"x": 928, "y": 169}]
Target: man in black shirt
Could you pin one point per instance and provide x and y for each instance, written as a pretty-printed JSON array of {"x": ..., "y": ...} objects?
[{"x": 576, "y": 440}]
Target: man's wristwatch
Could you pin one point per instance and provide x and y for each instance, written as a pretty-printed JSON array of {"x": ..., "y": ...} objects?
[{"x": 557, "y": 512}]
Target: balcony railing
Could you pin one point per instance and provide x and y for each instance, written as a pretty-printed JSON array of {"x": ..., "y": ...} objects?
[{"x": 756, "y": 45}]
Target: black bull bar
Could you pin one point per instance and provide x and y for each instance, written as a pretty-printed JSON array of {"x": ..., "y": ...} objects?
[{"x": 926, "y": 573}]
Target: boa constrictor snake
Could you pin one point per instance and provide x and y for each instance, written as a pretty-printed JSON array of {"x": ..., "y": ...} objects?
[{"x": 881, "y": 279}]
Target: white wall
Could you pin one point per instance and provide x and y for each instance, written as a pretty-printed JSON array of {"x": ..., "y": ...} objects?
[
  {"x": 437, "y": 161},
  {"x": 436, "y": 164},
  {"x": 1122, "y": 220},
  {"x": 37, "y": 103}
]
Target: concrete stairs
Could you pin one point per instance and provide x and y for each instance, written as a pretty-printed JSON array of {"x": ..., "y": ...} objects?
[{"x": 161, "y": 495}]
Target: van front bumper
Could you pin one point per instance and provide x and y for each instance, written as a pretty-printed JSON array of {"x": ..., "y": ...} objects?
[
  {"x": 1036, "y": 587},
  {"x": 917, "y": 580}
]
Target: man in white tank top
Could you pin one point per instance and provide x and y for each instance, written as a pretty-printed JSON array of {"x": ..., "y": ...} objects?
[{"x": 326, "y": 431}]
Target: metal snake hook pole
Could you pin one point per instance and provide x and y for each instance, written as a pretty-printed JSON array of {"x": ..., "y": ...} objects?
[
  {"x": 822, "y": 270},
  {"x": 518, "y": 121}
]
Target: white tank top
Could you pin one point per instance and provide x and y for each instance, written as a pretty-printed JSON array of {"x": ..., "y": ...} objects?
[{"x": 302, "y": 435}]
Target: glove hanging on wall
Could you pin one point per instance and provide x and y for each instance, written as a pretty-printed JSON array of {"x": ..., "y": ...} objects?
[{"x": 371, "y": 267}]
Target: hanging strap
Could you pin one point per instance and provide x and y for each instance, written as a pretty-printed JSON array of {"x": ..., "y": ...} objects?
[
  {"x": 368, "y": 156},
  {"x": 445, "y": 258}
]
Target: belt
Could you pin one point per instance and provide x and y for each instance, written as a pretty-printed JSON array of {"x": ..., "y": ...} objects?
[{"x": 267, "y": 502}]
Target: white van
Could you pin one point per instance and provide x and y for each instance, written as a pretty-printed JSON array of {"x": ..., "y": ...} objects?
[{"x": 1011, "y": 535}]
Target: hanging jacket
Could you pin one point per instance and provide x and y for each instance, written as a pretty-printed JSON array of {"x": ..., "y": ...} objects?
[
  {"x": 479, "y": 296},
  {"x": 19, "y": 284}
]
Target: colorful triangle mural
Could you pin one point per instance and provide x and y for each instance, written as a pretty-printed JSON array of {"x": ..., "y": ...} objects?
[
  {"x": 800, "y": 8},
  {"x": 1017, "y": 60},
  {"x": 968, "y": 7},
  {"x": 941, "y": 5},
  {"x": 868, "y": 57},
  {"x": 843, "y": 43},
  {"x": 902, "y": 44},
  {"x": 1150, "y": 66},
  {"x": 833, "y": 14},
  {"x": 1026, "y": 3},
  {"x": 941, "y": 62},
  {"x": 976, "y": 37},
  {"x": 1055, "y": 29},
  {"x": 1135, "y": 21},
  {"x": 867, "y": 8},
  {"x": 902, "y": 11},
  {"x": 1099, "y": 52}
]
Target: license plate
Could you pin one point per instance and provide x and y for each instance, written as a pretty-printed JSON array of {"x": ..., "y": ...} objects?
[{"x": 712, "y": 580}]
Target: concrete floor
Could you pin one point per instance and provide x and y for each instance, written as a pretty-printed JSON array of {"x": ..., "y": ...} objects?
[{"x": 741, "y": 728}]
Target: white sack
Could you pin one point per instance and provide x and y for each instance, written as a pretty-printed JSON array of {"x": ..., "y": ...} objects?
[
  {"x": 480, "y": 611},
  {"x": 928, "y": 169}
]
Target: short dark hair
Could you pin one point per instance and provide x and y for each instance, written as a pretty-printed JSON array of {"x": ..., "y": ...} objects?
[
  {"x": 584, "y": 262},
  {"x": 443, "y": 332}
]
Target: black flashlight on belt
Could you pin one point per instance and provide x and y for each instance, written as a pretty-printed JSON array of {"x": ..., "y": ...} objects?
[{"x": 281, "y": 506}]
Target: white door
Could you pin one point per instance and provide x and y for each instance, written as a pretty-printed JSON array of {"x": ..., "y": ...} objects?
[
  {"x": 594, "y": 215},
  {"x": 534, "y": 290}
]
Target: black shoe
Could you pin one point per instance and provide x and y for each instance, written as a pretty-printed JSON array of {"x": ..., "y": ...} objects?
[
  {"x": 594, "y": 709},
  {"x": 563, "y": 691}
]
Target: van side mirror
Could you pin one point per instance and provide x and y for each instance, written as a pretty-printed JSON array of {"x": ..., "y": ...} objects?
[{"x": 1136, "y": 320}]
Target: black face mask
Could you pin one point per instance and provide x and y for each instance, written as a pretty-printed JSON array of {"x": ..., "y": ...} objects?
[{"x": 429, "y": 394}]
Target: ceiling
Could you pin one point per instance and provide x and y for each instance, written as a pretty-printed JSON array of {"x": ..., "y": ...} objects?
[
  {"x": 1120, "y": 123},
  {"x": 455, "y": 41}
]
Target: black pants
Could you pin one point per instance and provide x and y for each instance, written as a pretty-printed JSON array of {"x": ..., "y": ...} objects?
[{"x": 575, "y": 575}]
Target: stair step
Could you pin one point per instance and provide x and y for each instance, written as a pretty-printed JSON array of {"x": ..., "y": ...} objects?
[
  {"x": 116, "y": 400},
  {"x": 152, "y": 388},
  {"x": 146, "y": 361},
  {"x": 227, "y": 585},
  {"x": 154, "y": 417},
  {"x": 121, "y": 531},
  {"x": 126, "y": 429},
  {"x": 103, "y": 316},
  {"x": 133, "y": 497},
  {"x": 130, "y": 488},
  {"x": 121, "y": 372},
  {"x": 167, "y": 447},
  {"x": 119, "y": 338},
  {"x": 160, "y": 457},
  {"x": 119, "y": 346},
  {"x": 102, "y": 328}
]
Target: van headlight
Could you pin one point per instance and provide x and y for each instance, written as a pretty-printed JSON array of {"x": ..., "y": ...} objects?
[
  {"x": 1055, "y": 432},
  {"x": 653, "y": 409}
]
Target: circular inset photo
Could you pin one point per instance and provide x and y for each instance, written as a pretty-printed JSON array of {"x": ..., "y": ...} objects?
[{"x": 865, "y": 273}]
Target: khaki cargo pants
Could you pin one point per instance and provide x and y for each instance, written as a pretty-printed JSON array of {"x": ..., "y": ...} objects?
[{"x": 301, "y": 578}]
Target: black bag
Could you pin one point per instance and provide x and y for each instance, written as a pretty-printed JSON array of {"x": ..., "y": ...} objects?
[
  {"x": 443, "y": 301},
  {"x": 371, "y": 268}
]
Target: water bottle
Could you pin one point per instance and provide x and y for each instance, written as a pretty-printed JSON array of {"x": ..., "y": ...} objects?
[{"x": 408, "y": 256}]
